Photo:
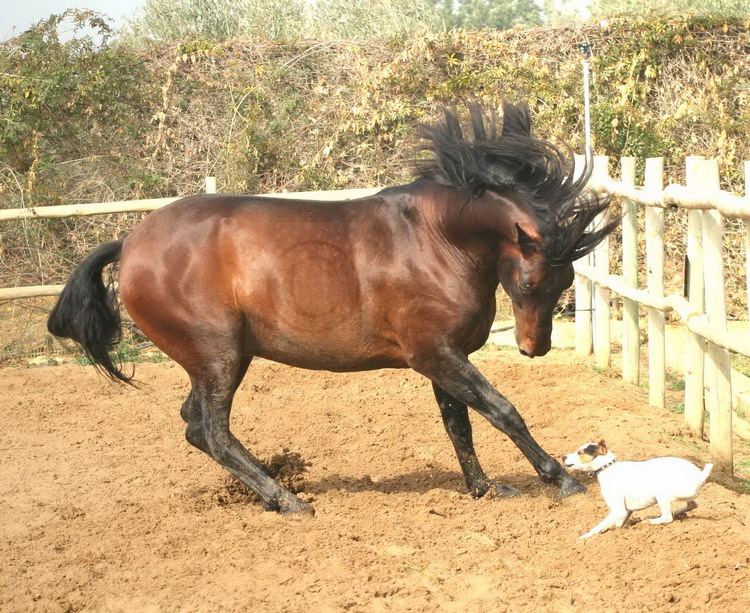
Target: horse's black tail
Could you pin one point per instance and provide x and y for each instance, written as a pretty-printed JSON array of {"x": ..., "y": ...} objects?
[{"x": 86, "y": 311}]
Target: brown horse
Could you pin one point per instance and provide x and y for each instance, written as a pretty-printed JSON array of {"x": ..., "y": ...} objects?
[{"x": 404, "y": 278}]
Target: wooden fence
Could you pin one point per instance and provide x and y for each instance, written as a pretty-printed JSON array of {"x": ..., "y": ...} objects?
[{"x": 707, "y": 342}]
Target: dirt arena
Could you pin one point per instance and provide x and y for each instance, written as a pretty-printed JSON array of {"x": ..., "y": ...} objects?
[{"x": 105, "y": 507}]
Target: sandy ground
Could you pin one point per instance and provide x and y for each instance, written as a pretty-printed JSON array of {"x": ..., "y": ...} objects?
[{"x": 105, "y": 507}]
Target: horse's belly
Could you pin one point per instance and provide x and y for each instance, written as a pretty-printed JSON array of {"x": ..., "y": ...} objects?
[{"x": 314, "y": 358}]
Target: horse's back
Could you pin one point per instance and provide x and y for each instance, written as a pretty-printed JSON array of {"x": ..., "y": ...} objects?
[
  {"x": 238, "y": 245},
  {"x": 289, "y": 280}
]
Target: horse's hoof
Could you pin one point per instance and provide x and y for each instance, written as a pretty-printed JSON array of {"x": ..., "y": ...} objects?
[
  {"x": 296, "y": 508},
  {"x": 498, "y": 490},
  {"x": 569, "y": 487}
]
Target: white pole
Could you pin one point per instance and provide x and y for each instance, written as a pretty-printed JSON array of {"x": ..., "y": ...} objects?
[
  {"x": 586, "y": 51},
  {"x": 654, "y": 180},
  {"x": 631, "y": 348},
  {"x": 695, "y": 345},
  {"x": 584, "y": 290},
  {"x": 719, "y": 375},
  {"x": 587, "y": 105},
  {"x": 602, "y": 343}
]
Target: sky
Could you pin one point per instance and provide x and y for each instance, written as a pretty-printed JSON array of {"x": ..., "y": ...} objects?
[
  {"x": 17, "y": 15},
  {"x": 23, "y": 13}
]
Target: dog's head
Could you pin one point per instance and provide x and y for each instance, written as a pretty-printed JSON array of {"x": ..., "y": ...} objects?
[{"x": 588, "y": 458}]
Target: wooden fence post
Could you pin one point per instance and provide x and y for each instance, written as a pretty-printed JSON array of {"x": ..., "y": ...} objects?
[
  {"x": 584, "y": 331},
  {"x": 631, "y": 342},
  {"x": 719, "y": 376},
  {"x": 695, "y": 346},
  {"x": 654, "y": 180},
  {"x": 602, "y": 342}
]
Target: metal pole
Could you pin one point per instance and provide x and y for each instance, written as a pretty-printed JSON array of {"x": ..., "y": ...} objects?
[
  {"x": 585, "y": 287},
  {"x": 586, "y": 51}
]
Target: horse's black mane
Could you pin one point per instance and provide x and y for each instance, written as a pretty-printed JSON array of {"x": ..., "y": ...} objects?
[{"x": 515, "y": 163}]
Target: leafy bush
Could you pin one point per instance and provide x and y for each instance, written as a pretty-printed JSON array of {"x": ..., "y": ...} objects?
[
  {"x": 218, "y": 20},
  {"x": 379, "y": 19},
  {"x": 660, "y": 9},
  {"x": 222, "y": 20},
  {"x": 67, "y": 107},
  {"x": 87, "y": 120},
  {"x": 489, "y": 14}
]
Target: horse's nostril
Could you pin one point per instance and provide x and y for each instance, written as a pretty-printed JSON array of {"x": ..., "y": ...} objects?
[{"x": 524, "y": 352}]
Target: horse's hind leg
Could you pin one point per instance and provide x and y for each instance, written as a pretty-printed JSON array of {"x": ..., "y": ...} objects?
[
  {"x": 456, "y": 420},
  {"x": 190, "y": 409},
  {"x": 208, "y": 430}
]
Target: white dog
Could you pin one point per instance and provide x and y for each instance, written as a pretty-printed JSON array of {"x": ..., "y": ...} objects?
[{"x": 632, "y": 486}]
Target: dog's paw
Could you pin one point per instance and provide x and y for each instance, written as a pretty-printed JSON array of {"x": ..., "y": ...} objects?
[{"x": 660, "y": 520}]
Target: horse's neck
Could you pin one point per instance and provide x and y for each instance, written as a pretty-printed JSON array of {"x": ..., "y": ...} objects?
[
  {"x": 472, "y": 222},
  {"x": 447, "y": 220},
  {"x": 501, "y": 214}
]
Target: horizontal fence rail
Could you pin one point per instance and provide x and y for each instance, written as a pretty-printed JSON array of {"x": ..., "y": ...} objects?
[
  {"x": 32, "y": 291},
  {"x": 138, "y": 206},
  {"x": 708, "y": 376},
  {"x": 59, "y": 211},
  {"x": 144, "y": 206},
  {"x": 694, "y": 321},
  {"x": 729, "y": 204}
]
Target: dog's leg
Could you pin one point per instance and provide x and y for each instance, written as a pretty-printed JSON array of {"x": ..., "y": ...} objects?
[
  {"x": 665, "y": 504},
  {"x": 690, "y": 506},
  {"x": 621, "y": 523},
  {"x": 617, "y": 517}
]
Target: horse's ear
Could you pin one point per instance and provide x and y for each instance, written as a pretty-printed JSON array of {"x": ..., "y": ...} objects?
[
  {"x": 601, "y": 448},
  {"x": 529, "y": 246},
  {"x": 516, "y": 119}
]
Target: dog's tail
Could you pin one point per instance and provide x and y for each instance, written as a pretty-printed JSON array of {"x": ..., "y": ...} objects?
[{"x": 706, "y": 472}]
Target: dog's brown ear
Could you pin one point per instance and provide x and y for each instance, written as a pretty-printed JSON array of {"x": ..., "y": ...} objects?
[{"x": 601, "y": 448}]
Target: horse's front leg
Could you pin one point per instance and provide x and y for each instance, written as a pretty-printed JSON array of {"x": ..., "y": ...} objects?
[
  {"x": 455, "y": 416},
  {"x": 451, "y": 371}
]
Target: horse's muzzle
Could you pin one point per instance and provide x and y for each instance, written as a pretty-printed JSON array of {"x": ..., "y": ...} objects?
[{"x": 533, "y": 351}]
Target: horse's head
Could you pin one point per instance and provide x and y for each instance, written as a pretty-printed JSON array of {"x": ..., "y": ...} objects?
[
  {"x": 527, "y": 192},
  {"x": 534, "y": 286}
]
